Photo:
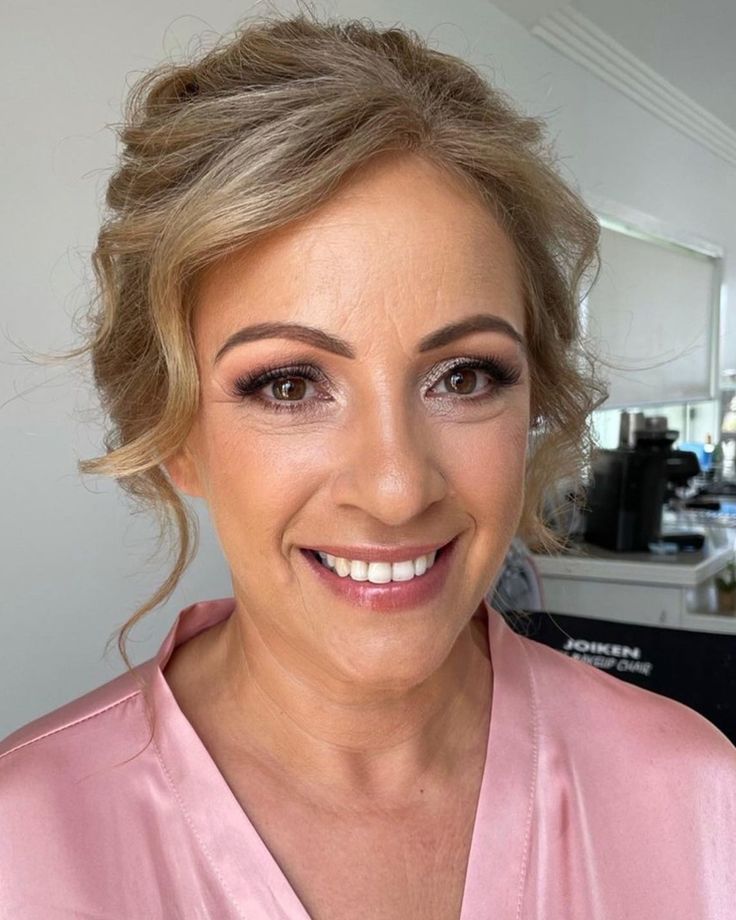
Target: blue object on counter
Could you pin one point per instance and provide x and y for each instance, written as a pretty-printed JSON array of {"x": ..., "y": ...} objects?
[
  {"x": 698, "y": 448},
  {"x": 663, "y": 548}
]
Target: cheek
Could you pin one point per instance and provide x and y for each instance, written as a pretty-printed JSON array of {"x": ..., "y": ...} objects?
[
  {"x": 257, "y": 481},
  {"x": 486, "y": 463}
]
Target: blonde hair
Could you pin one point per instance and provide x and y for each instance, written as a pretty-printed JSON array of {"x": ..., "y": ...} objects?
[{"x": 258, "y": 132}]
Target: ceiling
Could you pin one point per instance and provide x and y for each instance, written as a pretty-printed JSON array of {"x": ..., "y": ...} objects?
[{"x": 691, "y": 43}]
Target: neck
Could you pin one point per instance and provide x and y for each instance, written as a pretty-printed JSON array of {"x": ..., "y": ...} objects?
[{"x": 354, "y": 746}]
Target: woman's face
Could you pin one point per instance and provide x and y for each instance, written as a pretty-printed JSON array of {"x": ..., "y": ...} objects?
[{"x": 381, "y": 440}]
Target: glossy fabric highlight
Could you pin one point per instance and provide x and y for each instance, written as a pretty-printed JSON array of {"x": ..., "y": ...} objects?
[{"x": 599, "y": 801}]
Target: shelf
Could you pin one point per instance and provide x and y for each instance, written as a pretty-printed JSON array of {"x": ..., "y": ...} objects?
[
  {"x": 684, "y": 570},
  {"x": 709, "y": 622}
]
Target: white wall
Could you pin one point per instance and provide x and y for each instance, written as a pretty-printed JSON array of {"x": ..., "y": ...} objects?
[{"x": 74, "y": 561}]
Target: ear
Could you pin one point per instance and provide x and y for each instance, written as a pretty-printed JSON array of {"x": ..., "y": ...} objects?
[{"x": 183, "y": 472}]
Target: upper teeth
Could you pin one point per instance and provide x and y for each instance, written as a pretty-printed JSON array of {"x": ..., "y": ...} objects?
[{"x": 380, "y": 573}]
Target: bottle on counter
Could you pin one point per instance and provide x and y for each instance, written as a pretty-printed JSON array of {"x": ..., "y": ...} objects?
[
  {"x": 708, "y": 449},
  {"x": 728, "y": 442},
  {"x": 728, "y": 425}
]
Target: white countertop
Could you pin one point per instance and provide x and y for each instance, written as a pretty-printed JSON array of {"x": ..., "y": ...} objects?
[{"x": 593, "y": 563}]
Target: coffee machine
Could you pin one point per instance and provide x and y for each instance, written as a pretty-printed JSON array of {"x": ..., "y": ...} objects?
[{"x": 630, "y": 484}]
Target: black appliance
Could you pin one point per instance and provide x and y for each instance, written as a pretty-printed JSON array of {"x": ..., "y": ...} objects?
[{"x": 630, "y": 484}]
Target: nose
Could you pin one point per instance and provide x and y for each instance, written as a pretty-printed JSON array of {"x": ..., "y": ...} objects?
[{"x": 387, "y": 464}]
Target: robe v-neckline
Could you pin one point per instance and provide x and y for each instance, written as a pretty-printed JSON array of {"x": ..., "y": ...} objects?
[{"x": 241, "y": 863}]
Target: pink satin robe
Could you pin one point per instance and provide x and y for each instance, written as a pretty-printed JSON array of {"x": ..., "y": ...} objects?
[{"x": 599, "y": 801}]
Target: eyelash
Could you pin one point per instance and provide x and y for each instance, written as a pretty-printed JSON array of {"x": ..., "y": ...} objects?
[{"x": 503, "y": 375}]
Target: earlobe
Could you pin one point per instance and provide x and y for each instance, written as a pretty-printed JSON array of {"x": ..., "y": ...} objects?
[{"x": 182, "y": 471}]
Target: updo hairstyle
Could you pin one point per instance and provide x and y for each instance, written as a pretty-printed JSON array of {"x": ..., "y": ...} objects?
[{"x": 258, "y": 132}]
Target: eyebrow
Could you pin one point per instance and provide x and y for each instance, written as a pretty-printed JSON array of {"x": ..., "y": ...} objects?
[{"x": 311, "y": 335}]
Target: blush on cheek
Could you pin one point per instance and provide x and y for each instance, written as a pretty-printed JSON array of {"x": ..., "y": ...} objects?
[
  {"x": 494, "y": 473},
  {"x": 499, "y": 449}
]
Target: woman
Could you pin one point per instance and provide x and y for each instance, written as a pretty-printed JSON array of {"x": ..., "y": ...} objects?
[{"x": 339, "y": 283}]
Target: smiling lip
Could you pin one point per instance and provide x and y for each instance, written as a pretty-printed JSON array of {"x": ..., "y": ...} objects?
[{"x": 392, "y": 596}]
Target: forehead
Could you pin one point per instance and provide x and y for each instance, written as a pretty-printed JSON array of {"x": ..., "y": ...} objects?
[{"x": 401, "y": 237}]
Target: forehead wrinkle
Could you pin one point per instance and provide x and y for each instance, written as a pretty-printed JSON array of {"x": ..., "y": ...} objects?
[{"x": 451, "y": 258}]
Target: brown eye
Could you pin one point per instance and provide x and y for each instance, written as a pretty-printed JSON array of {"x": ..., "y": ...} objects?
[
  {"x": 281, "y": 388},
  {"x": 462, "y": 381},
  {"x": 291, "y": 389},
  {"x": 463, "y": 378}
]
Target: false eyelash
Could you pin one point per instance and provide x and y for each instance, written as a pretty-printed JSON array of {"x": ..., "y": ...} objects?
[
  {"x": 503, "y": 374},
  {"x": 251, "y": 383}
]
